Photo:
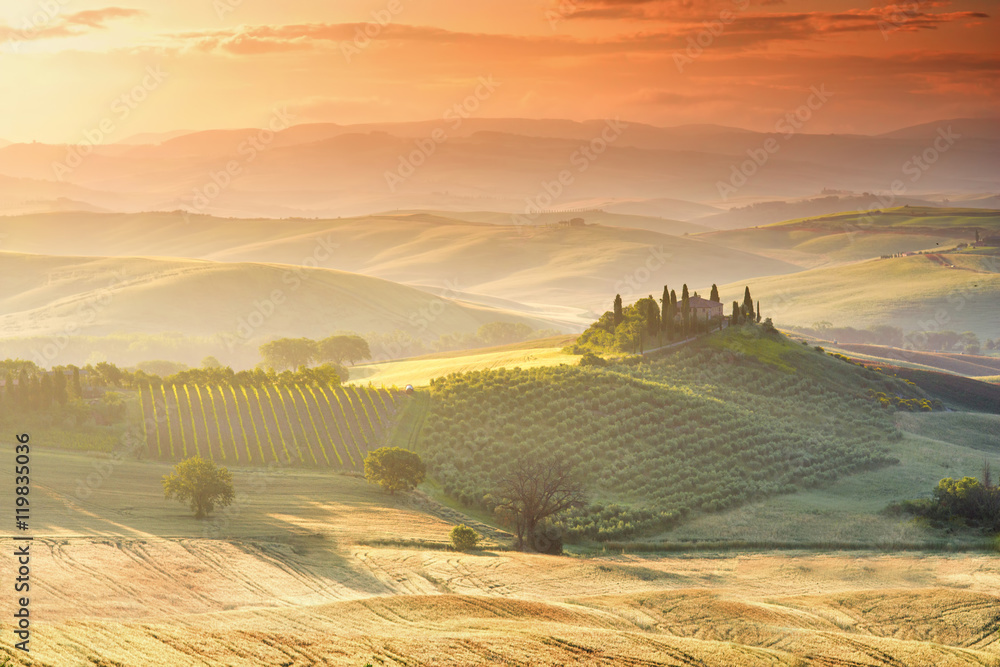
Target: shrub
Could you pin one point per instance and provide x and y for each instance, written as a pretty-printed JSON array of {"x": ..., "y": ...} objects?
[{"x": 464, "y": 538}]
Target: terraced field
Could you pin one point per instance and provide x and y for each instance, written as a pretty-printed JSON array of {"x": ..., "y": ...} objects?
[{"x": 237, "y": 425}]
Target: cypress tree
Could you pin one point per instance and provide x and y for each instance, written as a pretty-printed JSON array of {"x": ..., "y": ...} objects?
[
  {"x": 652, "y": 316},
  {"x": 758, "y": 311},
  {"x": 715, "y": 294},
  {"x": 618, "y": 310},
  {"x": 748, "y": 304},
  {"x": 664, "y": 308},
  {"x": 735, "y": 319},
  {"x": 673, "y": 314},
  {"x": 685, "y": 310}
]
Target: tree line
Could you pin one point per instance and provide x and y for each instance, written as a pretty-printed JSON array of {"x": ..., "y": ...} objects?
[{"x": 631, "y": 328}]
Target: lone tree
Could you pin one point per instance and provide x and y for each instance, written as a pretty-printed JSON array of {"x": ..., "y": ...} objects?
[
  {"x": 394, "y": 469},
  {"x": 338, "y": 349},
  {"x": 201, "y": 484},
  {"x": 533, "y": 491},
  {"x": 464, "y": 538}
]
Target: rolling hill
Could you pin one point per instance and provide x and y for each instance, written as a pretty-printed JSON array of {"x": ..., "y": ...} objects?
[
  {"x": 916, "y": 293},
  {"x": 64, "y": 302},
  {"x": 851, "y": 236},
  {"x": 554, "y": 272}
]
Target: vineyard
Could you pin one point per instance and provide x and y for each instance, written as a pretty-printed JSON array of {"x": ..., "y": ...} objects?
[
  {"x": 705, "y": 428},
  {"x": 240, "y": 425}
]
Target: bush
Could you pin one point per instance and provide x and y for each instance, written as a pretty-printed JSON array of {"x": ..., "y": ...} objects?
[
  {"x": 464, "y": 538},
  {"x": 591, "y": 359}
]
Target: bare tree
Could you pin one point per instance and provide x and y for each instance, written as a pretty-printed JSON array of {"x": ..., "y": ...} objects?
[{"x": 532, "y": 492}]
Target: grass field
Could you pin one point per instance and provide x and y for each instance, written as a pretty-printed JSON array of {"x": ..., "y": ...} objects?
[
  {"x": 419, "y": 371},
  {"x": 123, "y": 577}
]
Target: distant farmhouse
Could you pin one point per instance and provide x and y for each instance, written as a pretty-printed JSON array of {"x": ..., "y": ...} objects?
[{"x": 701, "y": 307}]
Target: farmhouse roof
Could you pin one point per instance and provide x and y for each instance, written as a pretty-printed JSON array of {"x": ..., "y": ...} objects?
[{"x": 699, "y": 302}]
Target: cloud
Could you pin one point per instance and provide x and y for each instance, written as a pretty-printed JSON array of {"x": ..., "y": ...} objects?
[{"x": 69, "y": 25}]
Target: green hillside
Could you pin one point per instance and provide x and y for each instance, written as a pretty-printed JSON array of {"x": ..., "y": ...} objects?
[
  {"x": 852, "y": 236},
  {"x": 736, "y": 417},
  {"x": 916, "y": 293}
]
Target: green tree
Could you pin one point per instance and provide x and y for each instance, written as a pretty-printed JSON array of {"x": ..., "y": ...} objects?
[
  {"x": 394, "y": 469},
  {"x": 618, "y": 310},
  {"x": 288, "y": 353},
  {"x": 735, "y": 318},
  {"x": 748, "y": 304},
  {"x": 758, "y": 311},
  {"x": 464, "y": 538},
  {"x": 200, "y": 484},
  {"x": 343, "y": 348},
  {"x": 211, "y": 362},
  {"x": 715, "y": 294}
]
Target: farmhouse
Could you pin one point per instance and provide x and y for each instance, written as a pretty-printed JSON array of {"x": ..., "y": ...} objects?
[{"x": 701, "y": 307}]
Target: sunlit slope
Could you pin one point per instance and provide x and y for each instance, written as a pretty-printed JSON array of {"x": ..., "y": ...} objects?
[
  {"x": 915, "y": 293},
  {"x": 419, "y": 371},
  {"x": 47, "y": 295},
  {"x": 859, "y": 235},
  {"x": 576, "y": 267},
  {"x": 730, "y": 420}
]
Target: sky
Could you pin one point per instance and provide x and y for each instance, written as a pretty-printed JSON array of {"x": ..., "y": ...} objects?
[{"x": 74, "y": 70}]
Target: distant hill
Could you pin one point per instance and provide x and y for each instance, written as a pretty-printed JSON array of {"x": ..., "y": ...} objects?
[
  {"x": 47, "y": 298},
  {"x": 852, "y": 236},
  {"x": 917, "y": 293},
  {"x": 772, "y": 212},
  {"x": 328, "y": 170},
  {"x": 539, "y": 266}
]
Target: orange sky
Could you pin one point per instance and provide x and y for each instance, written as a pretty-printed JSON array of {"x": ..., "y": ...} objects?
[{"x": 229, "y": 63}]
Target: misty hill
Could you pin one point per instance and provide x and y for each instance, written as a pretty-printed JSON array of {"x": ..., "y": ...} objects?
[
  {"x": 239, "y": 305},
  {"x": 324, "y": 170},
  {"x": 574, "y": 267},
  {"x": 861, "y": 235}
]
